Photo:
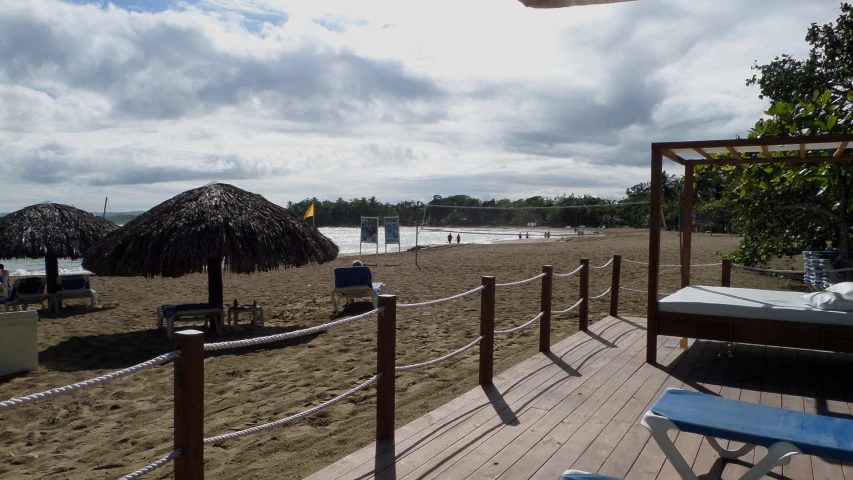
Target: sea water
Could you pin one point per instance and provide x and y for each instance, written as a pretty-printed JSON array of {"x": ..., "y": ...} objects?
[{"x": 346, "y": 238}]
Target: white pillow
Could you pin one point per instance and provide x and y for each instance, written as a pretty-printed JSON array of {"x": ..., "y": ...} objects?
[
  {"x": 844, "y": 288},
  {"x": 829, "y": 301}
]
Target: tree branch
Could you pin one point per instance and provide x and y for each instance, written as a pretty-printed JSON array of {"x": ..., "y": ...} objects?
[{"x": 812, "y": 208}]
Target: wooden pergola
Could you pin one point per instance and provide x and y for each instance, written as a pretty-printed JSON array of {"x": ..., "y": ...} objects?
[{"x": 815, "y": 149}]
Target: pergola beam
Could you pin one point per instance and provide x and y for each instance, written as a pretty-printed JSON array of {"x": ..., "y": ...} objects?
[
  {"x": 735, "y": 154},
  {"x": 674, "y": 157},
  {"x": 761, "y": 160},
  {"x": 840, "y": 150}
]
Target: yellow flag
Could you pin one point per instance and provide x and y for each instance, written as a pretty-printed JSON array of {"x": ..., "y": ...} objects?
[{"x": 309, "y": 212}]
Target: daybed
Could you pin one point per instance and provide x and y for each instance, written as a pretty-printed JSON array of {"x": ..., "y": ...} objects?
[{"x": 746, "y": 315}]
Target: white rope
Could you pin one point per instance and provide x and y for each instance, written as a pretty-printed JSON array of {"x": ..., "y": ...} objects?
[
  {"x": 284, "y": 336},
  {"x": 521, "y": 282},
  {"x": 560, "y": 312},
  {"x": 310, "y": 411},
  {"x": 511, "y": 330},
  {"x": 570, "y": 273},
  {"x": 646, "y": 263},
  {"x": 706, "y": 264},
  {"x": 770, "y": 270},
  {"x": 152, "y": 466},
  {"x": 642, "y": 291},
  {"x": 605, "y": 265},
  {"x": 440, "y": 300},
  {"x": 601, "y": 295},
  {"x": 17, "y": 402},
  {"x": 439, "y": 359}
]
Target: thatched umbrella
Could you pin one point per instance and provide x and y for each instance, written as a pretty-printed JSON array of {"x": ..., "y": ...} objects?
[
  {"x": 565, "y": 3},
  {"x": 194, "y": 231},
  {"x": 52, "y": 231}
]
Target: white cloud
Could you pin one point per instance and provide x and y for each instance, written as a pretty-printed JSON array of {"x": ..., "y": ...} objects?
[{"x": 398, "y": 100}]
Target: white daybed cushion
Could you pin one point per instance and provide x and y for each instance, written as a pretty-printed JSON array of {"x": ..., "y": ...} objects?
[
  {"x": 844, "y": 288},
  {"x": 829, "y": 301},
  {"x": 750, "y": 303}
]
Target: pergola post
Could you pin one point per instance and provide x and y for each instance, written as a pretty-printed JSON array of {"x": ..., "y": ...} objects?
[
  {"x": 654, "y": 254},
  {"x": 687, "y": 226}
]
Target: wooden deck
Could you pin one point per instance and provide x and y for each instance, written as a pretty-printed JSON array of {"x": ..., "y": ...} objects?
[{"x": 580, "y": 406}]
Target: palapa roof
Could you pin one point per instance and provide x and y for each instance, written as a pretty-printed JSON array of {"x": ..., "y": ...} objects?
[
  {"x": 182, "y": 234},
  {"x": 50, "y": 229}
]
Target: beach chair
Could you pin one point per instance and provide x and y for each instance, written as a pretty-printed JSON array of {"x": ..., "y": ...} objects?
[
  {"x": 26, "y": 291},
  {"x": 579, "y": 475},
  {"x": 356, "y": 282},
  {"x": 73, "y": 286},
  {"x": 784, "y": 433},
  {"x": 171, "y": 313}
]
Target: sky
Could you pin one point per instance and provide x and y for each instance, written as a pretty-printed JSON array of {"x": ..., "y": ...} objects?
[{"x": 139, "y": 100}]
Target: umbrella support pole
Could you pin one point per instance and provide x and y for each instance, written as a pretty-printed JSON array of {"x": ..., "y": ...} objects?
[
  {"x": 51, "y": 271},
  {"x": 214, "y": 281}
]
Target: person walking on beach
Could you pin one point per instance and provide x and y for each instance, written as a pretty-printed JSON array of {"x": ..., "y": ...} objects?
[
  {"x": 449, "y": 238},
  {"x": 519, "y": 235},
  {"x": 458, "y": 238},
  {"x": 527, "y": 235}
]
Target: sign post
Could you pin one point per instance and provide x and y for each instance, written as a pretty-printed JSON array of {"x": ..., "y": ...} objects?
[{"x": 369, "y": 232}]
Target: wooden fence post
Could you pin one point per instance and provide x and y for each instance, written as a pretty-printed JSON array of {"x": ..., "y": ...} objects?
[
  {"x": 583, "y": 321},
  {"x": 545, "y": 308},
  {"x": 386, "y": 351},
  {"x": 487, "y": 330},
  {"x": 727, "y": 273},
  {"x": 615, "y": 282},
  {"x": 189, "y": 405}
]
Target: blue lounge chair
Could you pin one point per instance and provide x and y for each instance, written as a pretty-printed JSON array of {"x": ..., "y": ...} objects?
[
  {"x": 26, "y": 291},
  {"x": 356, "y": 282},
  {"x": 578, "y": 475},
  {"x": 172, "y": 313},
  {"x": 784, "y": 433},
  {"x": 73, "y": 286}
]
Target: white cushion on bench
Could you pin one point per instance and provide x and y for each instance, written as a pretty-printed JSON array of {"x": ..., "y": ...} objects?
[{"x": 750, "y": 303}]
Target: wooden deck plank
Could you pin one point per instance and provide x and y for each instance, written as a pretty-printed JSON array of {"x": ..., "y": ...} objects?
[
  {"x": 628, "y": 451},
  {"x": 708, "y": 462},
  {"x": 750, "y": 392},
  {"x": 611, "y": 362},
  {"x": 605, "y": 442},
  {"x": 792, "y": 399},
  {"x": 689, "y": 444},
  {"x": 516, "y": 382},
  {"x": 580, "y": 408}
]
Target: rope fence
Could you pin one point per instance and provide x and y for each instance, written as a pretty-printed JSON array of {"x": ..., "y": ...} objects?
[
  {"x": 560, "y": 312},
  {"x": 605, "y": 265},
  {"x": 600, "y": 295},
  {"x": 440, "y": 300},
  {"x": 789, "y": 272},
  {"x": 75, "y": 387},
  {"x": 570, "y": 273},
  {"x": 283, "y": 421},
  {"x": 521, "y": 282},
  {"x": 439, "y": 359},
  {"x": 288, "y": 335},
  {"x": 523, "y": 325},
  {"x": 644, "y": 291},
  {"x": 152, "y": 466}
]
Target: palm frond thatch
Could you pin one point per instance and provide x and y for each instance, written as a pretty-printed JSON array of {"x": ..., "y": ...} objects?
[
  {"x": 51, "y": 229},
  {"x": 181, "y": 236},
  {"x": 565, "y": 3}
]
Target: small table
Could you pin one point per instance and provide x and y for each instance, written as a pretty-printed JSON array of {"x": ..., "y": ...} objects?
[{"x": 256, "y": 310}]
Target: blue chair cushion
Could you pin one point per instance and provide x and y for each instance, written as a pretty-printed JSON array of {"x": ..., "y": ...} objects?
[
  {"x": 585, "y": 476},
  {"x": 353, "y": 277},
  {"x": 73, "y": 282},
  {"x": 170, "y": 310},
  {"x": 712, "y": 416},
  {"x": 30, "y": 286}
]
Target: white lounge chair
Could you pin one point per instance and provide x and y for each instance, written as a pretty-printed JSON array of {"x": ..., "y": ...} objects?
[
  {"x": 74, "y": 286},
  {"x": 784, "y": 433},
  {"x": 356, "y": 282}
]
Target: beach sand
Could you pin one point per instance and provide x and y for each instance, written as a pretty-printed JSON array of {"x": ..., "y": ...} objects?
[{"x": 114, "y": 429}]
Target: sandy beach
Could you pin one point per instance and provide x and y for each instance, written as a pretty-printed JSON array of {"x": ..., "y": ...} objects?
[{"x": 111, "y": 430}]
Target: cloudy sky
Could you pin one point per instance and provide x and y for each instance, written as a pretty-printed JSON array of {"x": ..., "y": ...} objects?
[{"x": 139, "y": 100}]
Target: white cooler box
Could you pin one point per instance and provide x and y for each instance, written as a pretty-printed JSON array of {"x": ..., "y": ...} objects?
[{"x": 18, "y": 342}]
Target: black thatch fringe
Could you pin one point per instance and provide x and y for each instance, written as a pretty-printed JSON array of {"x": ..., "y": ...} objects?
[
  {"x": 51, "y": 229},
  {"x": 182, "y": 234}
]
